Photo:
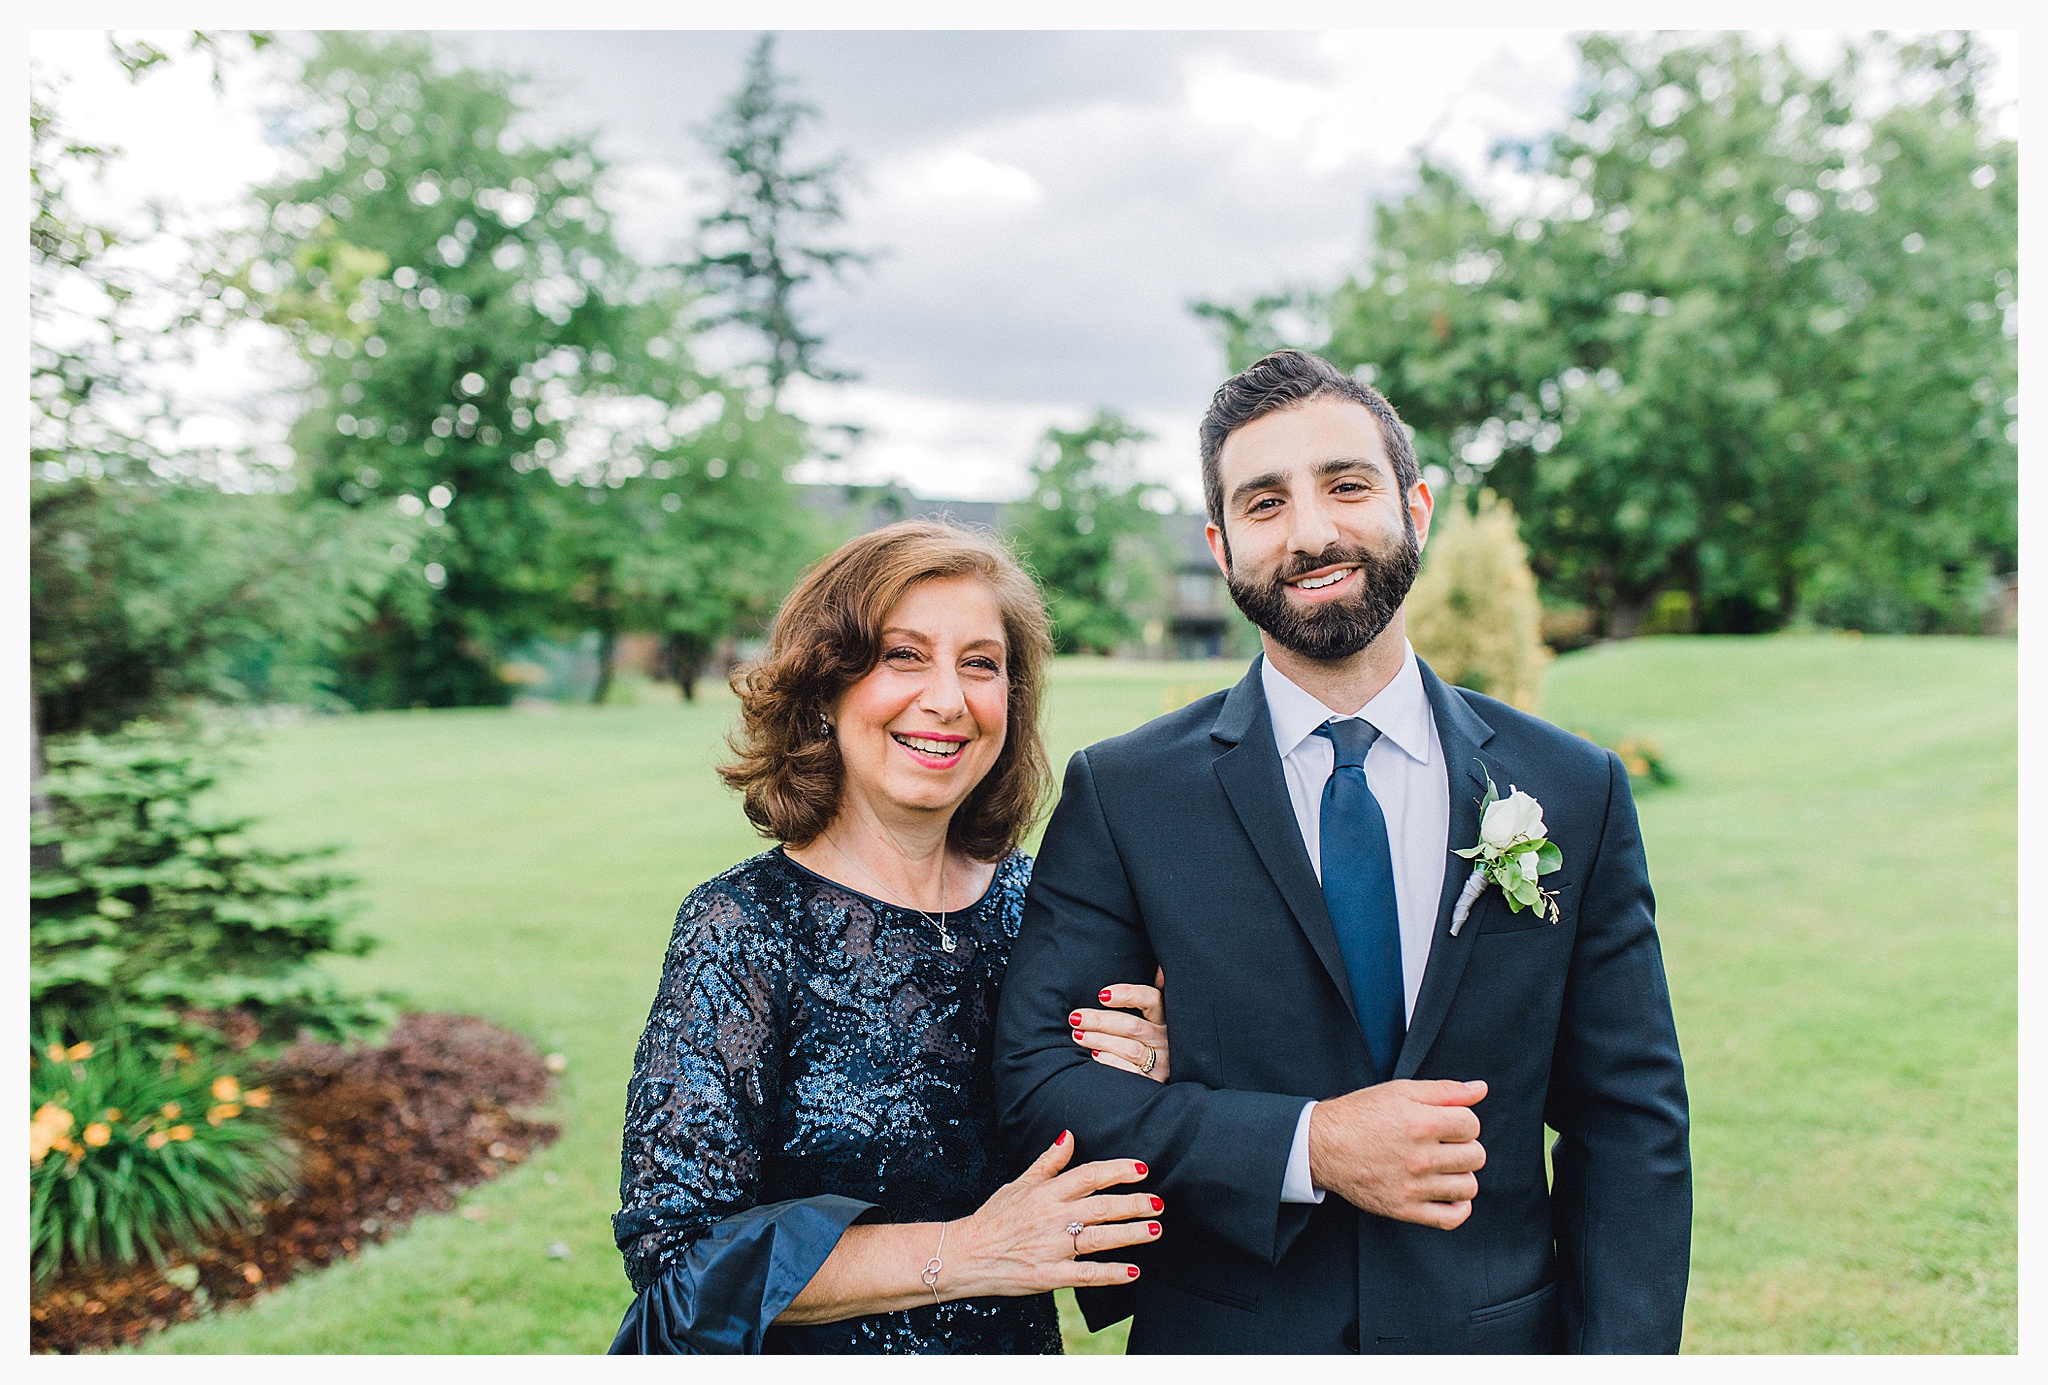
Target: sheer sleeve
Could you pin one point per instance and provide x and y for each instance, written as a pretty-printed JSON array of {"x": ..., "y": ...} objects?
[{"x": 713, "y": 1267}]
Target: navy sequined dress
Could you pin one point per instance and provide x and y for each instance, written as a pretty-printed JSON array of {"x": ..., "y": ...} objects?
[{"x": 813, "y": 1058}]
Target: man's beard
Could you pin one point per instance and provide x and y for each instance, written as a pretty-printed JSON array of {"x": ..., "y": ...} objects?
[{"x": 1341, "y": 628}]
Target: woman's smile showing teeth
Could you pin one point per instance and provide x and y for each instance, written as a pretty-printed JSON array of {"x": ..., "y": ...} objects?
[{"x": 939, "y": 750}]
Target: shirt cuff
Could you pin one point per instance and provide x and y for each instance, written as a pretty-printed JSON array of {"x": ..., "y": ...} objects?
[{"x": 1298, "y": 1186}]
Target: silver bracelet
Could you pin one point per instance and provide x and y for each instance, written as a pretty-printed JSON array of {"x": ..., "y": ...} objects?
[{"x": 934, "y": 1265}]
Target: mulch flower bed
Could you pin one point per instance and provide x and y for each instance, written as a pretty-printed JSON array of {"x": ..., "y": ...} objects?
[{"x": 383, "y": 1133}]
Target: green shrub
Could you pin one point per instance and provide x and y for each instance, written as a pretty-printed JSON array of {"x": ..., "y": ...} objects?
[
  {"x": 1473, "y": 612},
  {"x": 136, "y": 1148},
  {"x": 153, "y": 915}
]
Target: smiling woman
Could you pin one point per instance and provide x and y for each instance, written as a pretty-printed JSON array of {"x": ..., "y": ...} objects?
[{"x": 808, "y": 1164}]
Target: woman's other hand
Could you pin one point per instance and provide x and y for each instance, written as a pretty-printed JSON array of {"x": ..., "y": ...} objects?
[
  {"x": 1122, "y": 1040},
  {"x": 1018, "y": 1242}
]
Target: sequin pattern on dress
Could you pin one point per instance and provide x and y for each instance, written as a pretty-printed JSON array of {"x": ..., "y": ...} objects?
[{"x": 807, "y": 1039}]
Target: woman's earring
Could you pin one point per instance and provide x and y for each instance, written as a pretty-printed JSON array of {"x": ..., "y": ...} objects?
[{"x": 824, "y": 726}]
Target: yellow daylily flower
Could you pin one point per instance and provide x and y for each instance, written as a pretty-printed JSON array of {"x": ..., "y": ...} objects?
[
  {"x": 98, "y": 1133},
  {"x": 226, "y": 1088},
  {"x": 45, "y": 1128}
]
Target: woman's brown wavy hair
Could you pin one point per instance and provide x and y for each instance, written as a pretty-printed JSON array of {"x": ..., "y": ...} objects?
[{"x": 828, "y": 636}]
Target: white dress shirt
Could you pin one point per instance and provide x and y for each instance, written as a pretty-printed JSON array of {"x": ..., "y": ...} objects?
[{"x": 1405, "y": 770}]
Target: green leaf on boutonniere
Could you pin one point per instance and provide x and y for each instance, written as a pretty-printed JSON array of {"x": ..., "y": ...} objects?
[{"x": 1548, "y": 858}]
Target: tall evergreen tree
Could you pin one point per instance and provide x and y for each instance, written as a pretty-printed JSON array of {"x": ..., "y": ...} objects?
[{"x": 761, "y": 247}]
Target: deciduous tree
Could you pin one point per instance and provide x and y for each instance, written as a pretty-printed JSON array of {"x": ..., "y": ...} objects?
[
  {"x": 1088, "y": 534},
  {"x": 1744, "y": 332}
]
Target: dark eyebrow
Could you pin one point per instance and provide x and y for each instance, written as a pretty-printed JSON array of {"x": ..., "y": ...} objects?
[
  {"x": 1335, "y": 466},
  {"x": 1256, "y": 483},
  {"x": 905, "y": 632}
]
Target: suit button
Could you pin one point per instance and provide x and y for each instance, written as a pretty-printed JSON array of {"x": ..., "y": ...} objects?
[{"x": 1351, "y": 1336}]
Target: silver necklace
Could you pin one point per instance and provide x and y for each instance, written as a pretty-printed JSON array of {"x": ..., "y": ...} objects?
[{"x": 945, "y": 938}]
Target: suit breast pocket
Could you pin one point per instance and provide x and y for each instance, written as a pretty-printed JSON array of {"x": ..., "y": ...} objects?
[{"x": 1494, "y": 917}]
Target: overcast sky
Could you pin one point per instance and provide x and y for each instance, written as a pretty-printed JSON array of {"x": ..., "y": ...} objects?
[{"x": 1047, "y": 204}]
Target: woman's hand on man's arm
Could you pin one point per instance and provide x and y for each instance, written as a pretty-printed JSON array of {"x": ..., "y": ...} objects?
[
  {"x": 1016, "y": 1243},
  {"x": 1136, "y": 1043}
]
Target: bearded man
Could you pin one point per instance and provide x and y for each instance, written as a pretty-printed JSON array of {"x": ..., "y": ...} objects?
[{"x": 1375, "y": 1007}]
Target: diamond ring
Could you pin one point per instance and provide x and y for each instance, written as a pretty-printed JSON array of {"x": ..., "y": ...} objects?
[{"x": 1075, "y": 1229}]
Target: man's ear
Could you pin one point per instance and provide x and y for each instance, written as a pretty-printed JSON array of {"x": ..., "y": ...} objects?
[
  {"x": 1214, "y": 534},
  {"x": 1421, "y": 505}
]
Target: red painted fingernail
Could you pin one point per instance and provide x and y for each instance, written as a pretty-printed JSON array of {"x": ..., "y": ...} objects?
[
  {"x": 1075, "y": 1019},
  {"x": 1141, "y": 1167},
  {"x": 1131, "y": 1270},
  {"x": 1093, "y": 1052},
  {"x": 1103, "y": 995},
  {"x": 1153, "y": 1227},
  {"x": 1063, "y": 1137},
  {"x": 1157, "y": 1205},
  {"x": 1077, "y": 1034}
]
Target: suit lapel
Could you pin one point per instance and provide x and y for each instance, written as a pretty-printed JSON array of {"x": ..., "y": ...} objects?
[
  {"x": 1257, "y": 789},
  {"x": 1461, "y": 732}
]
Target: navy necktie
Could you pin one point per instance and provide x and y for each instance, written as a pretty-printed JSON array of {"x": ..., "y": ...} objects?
[{"x": 1358, "y": 887}]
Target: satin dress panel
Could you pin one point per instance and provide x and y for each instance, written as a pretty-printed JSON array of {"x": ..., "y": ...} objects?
[{"x": 814, "y": 1057}]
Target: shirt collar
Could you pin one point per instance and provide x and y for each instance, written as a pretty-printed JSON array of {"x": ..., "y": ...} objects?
[{"x": 1400, "y": 711}]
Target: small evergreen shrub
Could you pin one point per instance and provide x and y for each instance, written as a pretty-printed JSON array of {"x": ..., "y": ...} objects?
[
  {"x": 150, "y": 914},
  {"x": 1473, "y": 612},
  {"x": 136, "y": 1149}
]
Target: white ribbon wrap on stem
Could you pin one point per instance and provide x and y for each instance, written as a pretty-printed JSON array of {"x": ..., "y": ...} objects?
[{"x": 1475, "y": 885}]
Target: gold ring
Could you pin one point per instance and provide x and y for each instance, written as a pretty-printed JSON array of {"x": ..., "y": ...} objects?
[
  {"x": 1075, "y": 1229},
  {"x": 1151, "y": 1060}
]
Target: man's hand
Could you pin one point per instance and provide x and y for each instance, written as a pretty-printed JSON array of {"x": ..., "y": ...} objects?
[{"x": 1406, "y": 1150}]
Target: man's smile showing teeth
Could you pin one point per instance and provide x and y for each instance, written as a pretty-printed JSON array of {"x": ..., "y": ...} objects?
[
  {"x": 1311, "y": 584},
  {"x": 941, "y": 750}
]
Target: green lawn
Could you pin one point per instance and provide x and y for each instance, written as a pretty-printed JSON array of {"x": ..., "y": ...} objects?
[{"x": 1836, "y": 881}]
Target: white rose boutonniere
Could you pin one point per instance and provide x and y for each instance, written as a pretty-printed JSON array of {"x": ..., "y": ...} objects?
[{"x": 1512, "y": 853}]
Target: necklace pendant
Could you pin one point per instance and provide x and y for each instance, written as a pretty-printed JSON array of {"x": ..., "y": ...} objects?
[{"x": 945, "y": 940}]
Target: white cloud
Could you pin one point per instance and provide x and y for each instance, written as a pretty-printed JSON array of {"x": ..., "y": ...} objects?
[
  {"x": 1383, "y": 96},
  {"x": 959, "y": 175},
  {"x": 972, "y": 449}
]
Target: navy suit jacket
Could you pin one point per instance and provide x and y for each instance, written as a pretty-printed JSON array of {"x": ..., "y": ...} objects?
[{"x": 1175, "y": 845}]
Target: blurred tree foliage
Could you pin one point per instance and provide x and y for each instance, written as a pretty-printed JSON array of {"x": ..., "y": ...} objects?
[
  {"x": 677, "y": 520},
  {"x": 450, "y": 285},
  {"x": 487, "y": 358},
  {"x": 1087, "y": 532},
  {"x": 158, "y": 572},
  {"x": 1752, "y": 337},
  {"x": 760, "y": 246}
]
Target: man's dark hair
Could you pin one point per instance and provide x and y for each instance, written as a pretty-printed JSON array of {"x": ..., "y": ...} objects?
[{"x": 1283, "y": 380}]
